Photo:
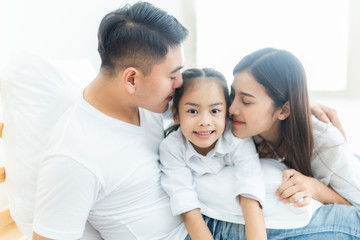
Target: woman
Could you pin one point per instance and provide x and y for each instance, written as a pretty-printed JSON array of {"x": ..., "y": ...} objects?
[{"x": 270, "y": 102}]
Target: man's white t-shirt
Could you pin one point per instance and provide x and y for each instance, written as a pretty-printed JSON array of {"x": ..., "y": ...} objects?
[{"x": 105, "y": 171}]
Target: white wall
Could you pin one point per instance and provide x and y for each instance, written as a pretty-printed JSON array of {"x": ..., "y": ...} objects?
[{"x": 57, "y": 29}]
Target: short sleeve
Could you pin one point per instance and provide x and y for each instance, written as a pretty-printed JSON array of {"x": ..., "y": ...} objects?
[
  {"x": 66, "y": 192},
  {"x": 177, "y": 179},
  {"x": 248, "y": 172}
]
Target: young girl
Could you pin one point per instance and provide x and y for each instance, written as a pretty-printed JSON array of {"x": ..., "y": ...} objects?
[
  {"x": 270, "y": 101},
  {"x": 202, "y": 143}
]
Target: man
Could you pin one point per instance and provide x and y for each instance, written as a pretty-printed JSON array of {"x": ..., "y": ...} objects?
[{"x": 102, "y": 165}]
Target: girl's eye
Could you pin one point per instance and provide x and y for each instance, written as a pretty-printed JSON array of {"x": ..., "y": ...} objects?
[
  {"x": 215, "y": 111},
  {"x": 192, "y": 111}
]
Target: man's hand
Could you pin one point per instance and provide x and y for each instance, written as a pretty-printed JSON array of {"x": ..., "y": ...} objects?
[{"x": 326, "y": 114}]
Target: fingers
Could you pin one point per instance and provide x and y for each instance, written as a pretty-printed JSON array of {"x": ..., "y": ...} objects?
[
  {"x": 306, "y": 201},
  {"x": 296, "y": 196},
  {"x": 319, "y": 112},
  {"x": 287, "y": 174}
]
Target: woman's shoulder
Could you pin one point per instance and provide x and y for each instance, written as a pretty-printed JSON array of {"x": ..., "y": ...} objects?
[{"x": 326, "y": 134}]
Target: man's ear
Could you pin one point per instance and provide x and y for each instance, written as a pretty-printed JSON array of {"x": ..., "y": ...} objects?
[
  {"x": 285, "y": 111},
  {"x": 175, "y": 115},
  {"x": 130, "y": 78}
]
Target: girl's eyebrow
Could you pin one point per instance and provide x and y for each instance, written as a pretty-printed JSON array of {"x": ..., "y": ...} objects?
[
  {"x": 197, "y": 105},
  {"x": 215, "y": 104},
  {"x": 192, "y": 104}
]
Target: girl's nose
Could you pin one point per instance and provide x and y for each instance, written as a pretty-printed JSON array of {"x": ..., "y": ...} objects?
[{"x": 205, "y": 119}]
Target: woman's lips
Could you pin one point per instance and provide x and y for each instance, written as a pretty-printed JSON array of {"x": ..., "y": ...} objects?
[{"x": 237, "y": 122}]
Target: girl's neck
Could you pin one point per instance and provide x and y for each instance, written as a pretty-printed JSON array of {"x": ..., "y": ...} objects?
[{"x": 204, "y": 151}]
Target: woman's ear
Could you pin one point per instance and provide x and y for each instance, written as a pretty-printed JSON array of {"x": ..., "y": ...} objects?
[
  {"x": 130, "y": 79},
  {"x": 285, "y": 111},
  {"x": 175, "y": 115}
]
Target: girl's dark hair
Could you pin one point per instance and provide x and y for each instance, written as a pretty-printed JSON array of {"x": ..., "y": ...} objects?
[
  {"x": 190, "y": 78},
  {"x": 284, "y": 80}
]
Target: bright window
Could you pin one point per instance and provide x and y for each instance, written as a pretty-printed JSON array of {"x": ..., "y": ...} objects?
[{"x": 315, "y": 31}]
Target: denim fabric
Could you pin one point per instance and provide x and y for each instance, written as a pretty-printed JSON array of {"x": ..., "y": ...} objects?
[{"x": 329, "y": 222}]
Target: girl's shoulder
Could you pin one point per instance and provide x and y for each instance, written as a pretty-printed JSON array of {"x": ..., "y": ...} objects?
[{"x": 175, "y": 138}]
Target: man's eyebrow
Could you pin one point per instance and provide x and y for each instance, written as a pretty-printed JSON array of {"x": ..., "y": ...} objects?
[{"x": 176, "y": 69}]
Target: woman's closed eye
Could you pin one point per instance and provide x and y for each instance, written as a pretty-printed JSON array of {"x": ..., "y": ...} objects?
[{"x": 243, "y": 101}]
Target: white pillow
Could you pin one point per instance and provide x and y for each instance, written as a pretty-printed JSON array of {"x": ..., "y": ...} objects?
[
  {"x": 224, "y": 207},
  {"x": 34, "y": 93}
]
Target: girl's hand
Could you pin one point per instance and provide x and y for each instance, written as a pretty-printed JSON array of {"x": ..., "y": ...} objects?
[{"x": 296, "y": 188}]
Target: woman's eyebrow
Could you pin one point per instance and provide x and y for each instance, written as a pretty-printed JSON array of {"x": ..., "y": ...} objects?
[{"x": 246, "y": 94}]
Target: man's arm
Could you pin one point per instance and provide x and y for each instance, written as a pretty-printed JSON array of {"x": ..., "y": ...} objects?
[{"x": 326, "y": 114}]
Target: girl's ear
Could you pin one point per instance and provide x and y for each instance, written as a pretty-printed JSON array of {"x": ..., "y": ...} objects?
[
  {"x": 285, "y": 111},
  {"x": 175, "y": 115},
  {"x": 130, "y": 79}
]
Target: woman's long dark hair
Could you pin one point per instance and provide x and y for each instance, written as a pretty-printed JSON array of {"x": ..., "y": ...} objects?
[
  {"x": 284, "y": 79},
  {"x": 190, "y": 78}
]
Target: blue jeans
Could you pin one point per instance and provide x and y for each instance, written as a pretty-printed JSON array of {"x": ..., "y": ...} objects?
[{"x": 332, "y": 221}]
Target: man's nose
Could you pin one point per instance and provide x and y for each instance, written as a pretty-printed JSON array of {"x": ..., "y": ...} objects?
[{"x": 179, "y": 81}]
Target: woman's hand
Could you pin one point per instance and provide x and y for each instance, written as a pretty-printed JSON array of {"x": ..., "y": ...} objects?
[
  {"x": 299, "y": 189},
  {"x": 326, "y": 114},
  {"x": 296, "y": 188}
]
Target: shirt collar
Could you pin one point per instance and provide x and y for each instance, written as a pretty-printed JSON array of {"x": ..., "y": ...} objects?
[{"x": 222, "y": 147}]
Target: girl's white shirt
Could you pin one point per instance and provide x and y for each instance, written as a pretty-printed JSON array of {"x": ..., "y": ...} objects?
[{"x": 180, "y": 164}]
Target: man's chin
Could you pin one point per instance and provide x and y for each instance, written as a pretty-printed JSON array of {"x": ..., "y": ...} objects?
[{"x": 158, "y": 110}]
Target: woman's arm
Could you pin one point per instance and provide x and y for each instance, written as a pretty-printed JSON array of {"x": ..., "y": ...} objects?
[
  {"x": 196, "y": 225},
  {"x": 254, "y": 218},
  {"x": 299, "y": 189}
]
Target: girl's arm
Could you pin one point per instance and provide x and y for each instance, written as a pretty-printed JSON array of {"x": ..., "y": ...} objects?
[
  {"x": 297, "y": 186},
  {"x": 254, "y": 218},
  {"x": 196, "y": 225}
]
